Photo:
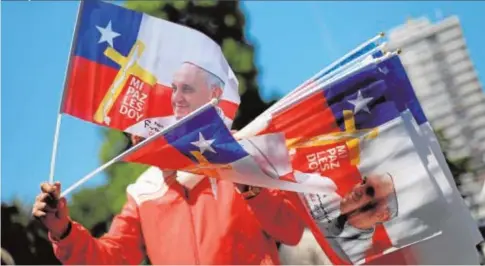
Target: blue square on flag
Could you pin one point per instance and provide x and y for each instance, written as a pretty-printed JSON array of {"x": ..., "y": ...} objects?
[
  {"x": 368, "y": 104},
  {"x": 206, "y": 133},
  {"x": 102, "y": 25}
]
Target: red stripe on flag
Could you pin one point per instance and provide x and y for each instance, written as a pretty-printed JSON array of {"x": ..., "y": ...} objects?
[
  {"x": 312, "y": 117},
  {"x": 134, "y": 105},
  {"x": 331, "y": 160},
  {"x": 88, "y": 84},
  {"x": 303, "y": 212},
  {"x": 229, "y": 108},
  {"x": 86, "y": 88},
  {"x": 381, "y": 242},
  {"x": 309, "y": 118},
  {"x": 160, "y": 153}
]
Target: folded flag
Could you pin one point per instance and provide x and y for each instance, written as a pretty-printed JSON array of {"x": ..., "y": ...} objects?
[
  {"x": 124, "y": 64},
  {"x": 202, "y": 144},
  {"x": 456, "y": 245},
  {"x": 456, "y": 228},
  {"x": 122, "y": 74},
  {"x": 338, "y": 135},
  {"x": 369, "y": 48},
  {"x": 347, "y": 63},
  {"x": 402, "y": 94}
]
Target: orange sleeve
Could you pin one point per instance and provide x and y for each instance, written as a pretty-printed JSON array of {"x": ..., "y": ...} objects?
[
  {"x": 277, "y": 216},
  {"x": 123, "y": 244}
]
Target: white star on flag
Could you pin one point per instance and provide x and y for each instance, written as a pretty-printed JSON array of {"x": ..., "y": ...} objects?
[
  {"x": 383, "y": 70},
  {"x": 107, "y": 34},
  {"x": 203, "y": 144},
  {"x": 360, "y": 103}
]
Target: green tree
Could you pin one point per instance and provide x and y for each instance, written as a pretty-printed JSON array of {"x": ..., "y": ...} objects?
[{"x": 23, "y": 238}]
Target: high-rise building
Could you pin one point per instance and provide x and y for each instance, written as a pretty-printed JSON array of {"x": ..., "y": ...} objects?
[
  {"x": 436, "y": 59},
  {"x": 438, "y": 64}
]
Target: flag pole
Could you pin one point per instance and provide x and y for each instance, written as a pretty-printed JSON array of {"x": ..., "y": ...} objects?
[
  {"x": 322, "y": 75},
  {"x": 326, "y": 77},
  {"x": 61, "y": 102},
  {"x": 264, "y": 118},
  {"x": 335, "y": 79},
  {"x": 336, "y": 64},
  {"x": 284, "y": 104},
  {"x": 140, "y": 145},
  {"x": 54, "y": 148}
]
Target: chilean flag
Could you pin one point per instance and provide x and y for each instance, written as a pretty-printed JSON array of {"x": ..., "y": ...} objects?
[
  {"x": 122, "y": 64},
  {"x": 354, "y": 128},
  {"x": 456, "y": 245},
  {"x": 202, "y": 144},
  {"x": 454, "y": 226}
]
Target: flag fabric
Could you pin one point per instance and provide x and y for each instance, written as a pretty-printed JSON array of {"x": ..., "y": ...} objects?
[
  {"x": 392, "y": 71},
  {"x": 339, "y": 133},
  {"x": 419, "y": 202},
  {"x": 401, "y": 93},
  {"x": 123, "y": 65},
  {"x": 341, "y": 67},
  {"x": 203, "y": 145},
  {"x": 460, "y": 234},
  {"x": 406, "y": 97}
]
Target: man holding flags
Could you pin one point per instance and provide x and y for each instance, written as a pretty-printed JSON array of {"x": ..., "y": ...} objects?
[
  {"x": 341, "y": 140},
  {"x": 179, "y": 222},
  {"x": 137, "y": 74}
]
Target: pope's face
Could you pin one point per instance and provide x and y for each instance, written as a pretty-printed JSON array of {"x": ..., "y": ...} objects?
[
  {"x": 367, "y": 203},
  {"x": 190, "y": 90}
]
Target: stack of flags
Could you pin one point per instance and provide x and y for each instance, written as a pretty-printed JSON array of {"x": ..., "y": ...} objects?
[{"x": 351, "y": 143}]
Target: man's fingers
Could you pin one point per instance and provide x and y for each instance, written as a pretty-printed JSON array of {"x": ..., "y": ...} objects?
[
  {"x": 51, "y": 200},
  {"x": 62, "y": 207},
  {"x": 46, "y": 187},
  {"x": 41, "y": 197},
  {"x": 48, "y": 198},
  {"x": 39, "y": 214},
  {"x": 57, "y": 192},
  {"x": 43, "y": 206},
  {"x": 40, "y": 205}
]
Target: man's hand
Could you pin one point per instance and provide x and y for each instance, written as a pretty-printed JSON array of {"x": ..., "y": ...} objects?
[{"x": 51, "y": 210}]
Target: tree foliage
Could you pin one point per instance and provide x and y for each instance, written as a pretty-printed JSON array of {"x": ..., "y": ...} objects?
[{"x": 23, "y": 238}]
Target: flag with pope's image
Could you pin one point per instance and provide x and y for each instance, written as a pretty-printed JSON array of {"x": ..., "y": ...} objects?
[
  {"x": 460, "y": 231},
  {"x": 455, "y": 228},
  {"x": 123, "y": 71},
  {"x": 201, "y": 143},
  {"x": 124, "y": 65},
  {"x": 351, "y": 137}
]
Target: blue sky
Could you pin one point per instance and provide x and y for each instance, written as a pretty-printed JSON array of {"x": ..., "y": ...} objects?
[{"x": 293, "y": 41}]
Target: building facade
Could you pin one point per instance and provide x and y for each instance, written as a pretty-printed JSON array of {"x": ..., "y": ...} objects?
[{"x": 438, "y": 64}]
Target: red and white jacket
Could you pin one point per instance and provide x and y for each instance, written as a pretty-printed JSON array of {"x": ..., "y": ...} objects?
[{"x": 188, "y": 224}]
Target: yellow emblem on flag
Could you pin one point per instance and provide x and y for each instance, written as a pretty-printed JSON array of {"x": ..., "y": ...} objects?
[
  {"x": 128, "y": 66},
  {"x": 204, "y": 167},
  {"x": 351, "y": 136}
]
